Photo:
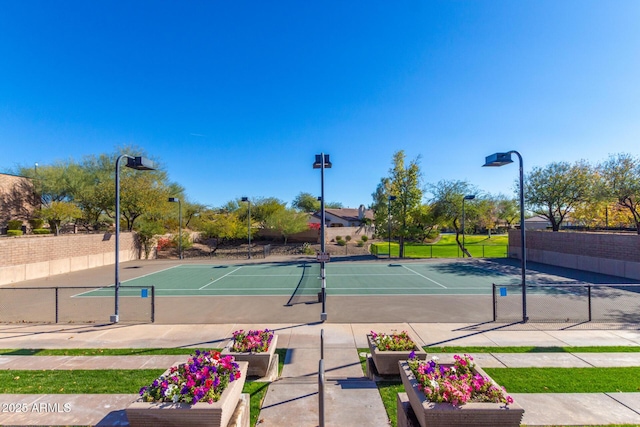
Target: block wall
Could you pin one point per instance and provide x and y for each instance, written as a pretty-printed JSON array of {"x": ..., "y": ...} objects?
[
  {"x": 34, "y": 257},
  {"x": 606, "y": 253}
]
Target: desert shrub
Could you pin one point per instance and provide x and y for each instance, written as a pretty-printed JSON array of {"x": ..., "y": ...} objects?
[
  {"x": 14, "y": 233},
  {"x": 186, "y": 240},
  {"x": 307, "y": 249},
  {"x": 40, "y": 231},
  {"x": 365, "y": 238},
  {"x": 348, "y": 238},
  {"x": 360, "y": 244},
  {"x": 338, "y": 238},
  {"x": 341, "y": 243},
  {"x": 36, "y": 223},
  {"x": 14, "y": 224}
]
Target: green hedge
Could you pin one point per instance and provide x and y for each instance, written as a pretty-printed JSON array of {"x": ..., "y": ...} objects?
[
  {"x": 14, "y": 233},
  {"x": 40, "y": 231}
]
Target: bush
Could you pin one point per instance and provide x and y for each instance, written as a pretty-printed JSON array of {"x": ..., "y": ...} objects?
[
  {"x": 338, "y": 238},
  {"x": 164, "y": 243},
  {"x": 14, "y": 233},
  {"x": 348, "y": 238},
  {"x": 365, "y": 238},
  {"x": 341, "y": 243},
  {"x": 186, "y": 240},
  {"x": 360, "y": 243},
  {"x": 40, "y": 231},
  {"x": 14, "y": 224},
  {"x": 36, "y": 223}
]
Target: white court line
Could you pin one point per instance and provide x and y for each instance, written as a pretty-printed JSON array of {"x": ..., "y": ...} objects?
[
  {"x": 423, "y": 276},
  {"x": 222, "y": 277}
]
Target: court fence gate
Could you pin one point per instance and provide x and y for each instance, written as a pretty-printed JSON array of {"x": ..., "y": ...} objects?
[{"x": 563, "y": 302}]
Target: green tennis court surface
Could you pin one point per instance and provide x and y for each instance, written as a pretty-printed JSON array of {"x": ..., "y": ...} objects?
[{"x": 342, "y": 278}]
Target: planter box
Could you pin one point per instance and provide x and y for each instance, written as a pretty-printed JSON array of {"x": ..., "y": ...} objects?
[
  {"x": 217, "y": 414},
  {"x": 386, "y": 362},
  {"x": 445, "y": 414},
  {"x": 258, "y": 362}
]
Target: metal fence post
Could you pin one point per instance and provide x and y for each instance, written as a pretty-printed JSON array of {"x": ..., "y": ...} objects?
[
  {"x": 57, "y": 306},
  {"x": 153, "y": 303}
]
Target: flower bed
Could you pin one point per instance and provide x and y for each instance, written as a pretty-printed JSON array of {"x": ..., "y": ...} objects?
[
  {"x": 203, "y": 391},
  {"x": 256, "y": 347},
  {"x": 457, "y": 395},
  {"x": 388, "y": 349}
]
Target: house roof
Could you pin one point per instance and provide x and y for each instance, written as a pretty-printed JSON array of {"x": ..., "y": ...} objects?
[{"x": 348, "y": 214}]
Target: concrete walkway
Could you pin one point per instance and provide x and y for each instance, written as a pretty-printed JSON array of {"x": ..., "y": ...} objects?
[{"x": 350, "y": 398}]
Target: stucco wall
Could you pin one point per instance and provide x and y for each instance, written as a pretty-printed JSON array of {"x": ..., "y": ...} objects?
[
  {"x": 33, "y": 257},
  {"x": 606, "y": 253}
]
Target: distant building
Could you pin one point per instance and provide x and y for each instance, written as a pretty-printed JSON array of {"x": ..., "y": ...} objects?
[
  {"x": 18, "y": 199},
  {"x": 345, "y": 217}
]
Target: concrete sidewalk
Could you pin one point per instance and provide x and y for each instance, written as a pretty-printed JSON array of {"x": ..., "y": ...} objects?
[{"x": 350, "y": 398}]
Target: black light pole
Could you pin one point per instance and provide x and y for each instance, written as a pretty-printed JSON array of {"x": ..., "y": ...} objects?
[
  {"x": 246, "y": 199},
  {"x": 322, "y": 162},
  {"x": 391, "y": 198},
  {"x": 467, "y": 197},
  {"x": 501, "y": 159},
  {"x": 174, "y": 200},
  {"x": 138, "y": 163}
]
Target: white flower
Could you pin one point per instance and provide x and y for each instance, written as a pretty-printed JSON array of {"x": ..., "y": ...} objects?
[
  {"x": 435, "y": 358},
  {"x": 169, "y": 391},
  {"x": 434, "y": 384}
]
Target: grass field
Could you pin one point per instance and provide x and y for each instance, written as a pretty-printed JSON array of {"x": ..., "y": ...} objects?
[{"x": 479, "y": 246}]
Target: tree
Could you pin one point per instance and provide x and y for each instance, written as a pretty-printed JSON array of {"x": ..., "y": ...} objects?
[
  {"x": 555, "y": 190},
  {"x": 404, "y": 184},
  {"x": 287, "y": 222},
  {"x": 147, "y": 232},
  {"x": 447, "y": 204},
  {"x": 59, "y": 213},
  {"x": 621, "y": 176},
  {"x": 507, "y": 210},
  {"x": 262, "y": 209},
  {"x": 306, "y": 202}
]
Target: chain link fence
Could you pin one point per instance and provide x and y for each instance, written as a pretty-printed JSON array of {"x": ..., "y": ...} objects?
[
  {"x": 76, "y": 304},
  {"x": 607, "y": 303}
]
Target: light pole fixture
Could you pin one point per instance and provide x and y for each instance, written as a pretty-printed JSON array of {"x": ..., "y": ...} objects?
[
  {"x": 501, "y": 159},
  {"x": 246, "y": 199},
  {"x": 467, "y": 197},
  {"x": 322, "y": 162},
  {"x": 138, "y": 163},
  {"x": 176, "y": 200},
  {"x": 390, "y": 198}
]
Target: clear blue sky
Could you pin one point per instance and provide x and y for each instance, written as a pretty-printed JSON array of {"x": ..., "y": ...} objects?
[{"x": 236, "y": 98}]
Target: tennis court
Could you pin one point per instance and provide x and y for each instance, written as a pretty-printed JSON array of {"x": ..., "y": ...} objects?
[
  {"x": 357, "y": 291},
  {"x": 342, "y": 278}
]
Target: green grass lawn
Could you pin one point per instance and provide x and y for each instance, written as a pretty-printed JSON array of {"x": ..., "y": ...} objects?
[{"x": 479, "y": 246}]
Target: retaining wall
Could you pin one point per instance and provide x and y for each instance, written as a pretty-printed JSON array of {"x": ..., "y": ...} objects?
[
  {"x": 34, "y": 257},
  {"x": 606, "y": 253}
]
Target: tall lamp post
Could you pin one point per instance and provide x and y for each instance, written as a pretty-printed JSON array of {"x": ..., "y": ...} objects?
[
  {"x": 138, "y": 163},
  {"x": 246, "y": 199},
  {"x": 391, "y": 198},
  {"x": 322, "y": 162},
  {"x": 176, "y": 200},
  {"x": 467, "y": 197},
  {"x": 501, "y": 159}
]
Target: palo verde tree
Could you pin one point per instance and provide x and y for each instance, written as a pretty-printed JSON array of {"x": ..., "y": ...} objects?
[
  {"x": 621, "y": 177},
  {"x": 287, "y": 222},
  {"x": 553, "y": 191},
  {"x": 403, "y": 183},
  {"x": 447, "y": 202}
]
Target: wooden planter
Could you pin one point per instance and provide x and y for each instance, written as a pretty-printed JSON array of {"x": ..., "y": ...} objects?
[
  {"x": 445, "y": 414},
  {"x": 258, "y": 362},
  {"x": 217, "y": 414},
  {"x": 387, "y": 361}
]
